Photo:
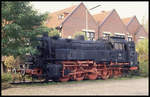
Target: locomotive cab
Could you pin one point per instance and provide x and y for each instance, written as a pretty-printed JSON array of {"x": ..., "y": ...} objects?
[{"x": 119, "y": 50}]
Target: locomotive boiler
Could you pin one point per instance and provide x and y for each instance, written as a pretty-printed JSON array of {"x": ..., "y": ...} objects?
[{"x": 78, "y": 59}]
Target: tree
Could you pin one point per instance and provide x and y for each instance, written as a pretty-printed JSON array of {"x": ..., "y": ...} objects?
[
  {"x": 54, "y": 32},
  {"x": 9, "y": 62},
  {"x": 146, "y": 26},
  {"x": 145, "y": 23},
  {"x": 20, "y": 25},
  {"x": 80, "y": 33},
  {"x": 142, "y": 49}
]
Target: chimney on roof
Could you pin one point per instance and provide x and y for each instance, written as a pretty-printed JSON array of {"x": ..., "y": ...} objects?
[
  {"x": 66, "y": 13},
  {"x": 103, "y": 11}
]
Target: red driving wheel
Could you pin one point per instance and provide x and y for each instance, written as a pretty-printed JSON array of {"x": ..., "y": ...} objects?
[
  {"x": 105, "y": 74},
  {"x": 64, "y": 79},
  {"x": 79, "y": 77},
  {"x": 92, "y": 75}
]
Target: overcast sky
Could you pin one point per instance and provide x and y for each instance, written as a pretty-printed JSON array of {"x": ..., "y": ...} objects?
[{"x": 124, "y": 9}]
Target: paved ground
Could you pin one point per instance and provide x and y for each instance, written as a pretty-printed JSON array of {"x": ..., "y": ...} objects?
[{"x": 108, "y": 87}]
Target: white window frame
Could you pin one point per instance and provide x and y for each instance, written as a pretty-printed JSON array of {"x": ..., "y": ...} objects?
[
  {"x": 88, "y": 34},
  {"x": 61, "y": 16},
  {"x": 141, "y": 37}
]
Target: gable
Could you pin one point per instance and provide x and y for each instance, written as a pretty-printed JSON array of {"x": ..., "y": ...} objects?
[
  {"x": 112, "y": 23},
  {"x": 80, "y": 13},
  {"x": 127, "y": 20},
  {"x": 78, "y": 19},
  {"x": 101, "y": 16},
  {"x": 76, "y": 22},
  {"x": 142, "y": 32},
  {"x": 133, "y": 26},
  {"x": 54, "y": 19}
]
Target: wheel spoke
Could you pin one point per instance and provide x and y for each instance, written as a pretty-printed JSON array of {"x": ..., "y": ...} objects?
[{"x": 105, "y": 74}]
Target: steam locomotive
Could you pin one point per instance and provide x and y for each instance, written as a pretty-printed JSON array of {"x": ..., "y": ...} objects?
[{"x": 78, "y": 59}]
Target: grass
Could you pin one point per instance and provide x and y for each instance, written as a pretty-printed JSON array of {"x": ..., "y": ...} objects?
[
  {"x": 144, "y": 68},
  {"x": 6, "y": 79},
  {"x": 77, "y": 82}
]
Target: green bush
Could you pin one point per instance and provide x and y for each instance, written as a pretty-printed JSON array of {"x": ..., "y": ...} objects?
[
  {"x": 6, "y": 77},
  {"x": 144, "y": 68},
  {"x": 80, "y": 33},
  {"x": 142, "y": 49},
  {"x": 54, "y": 32}
]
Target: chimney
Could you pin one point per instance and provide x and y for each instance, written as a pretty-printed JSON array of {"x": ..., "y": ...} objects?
[
  {"x": 103, "y": 11},
  {"x": 66, "y": 13}
]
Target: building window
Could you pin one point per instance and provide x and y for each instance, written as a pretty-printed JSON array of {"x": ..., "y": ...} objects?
[
  {"x": 90, "y": 35},
  {"x": 141, "y": 37},
  {"x": 69, "y": 37},
  {"x": 106, "y": 35},
  {"x": 60, "y": 16},
  {"x": 119, "y": 46},
  {"x": 120, "y": 35},
  {"x": 87, "y": 34}
]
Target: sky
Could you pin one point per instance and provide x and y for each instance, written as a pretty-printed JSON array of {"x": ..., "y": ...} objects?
[{"x": 124, "y": 9}]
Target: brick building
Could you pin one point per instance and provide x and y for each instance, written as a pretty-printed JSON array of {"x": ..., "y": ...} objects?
[
  {"x": 72, "y": 20},
  {"x": 109, "y": 21},
  {"x": 135, "y": 29}
]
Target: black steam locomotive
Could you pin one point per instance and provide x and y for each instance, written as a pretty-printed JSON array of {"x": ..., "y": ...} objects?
[{"x": 77, "y": 59}]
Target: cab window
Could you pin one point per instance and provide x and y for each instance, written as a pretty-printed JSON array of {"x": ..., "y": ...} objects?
[{"x": 118, "y": 46}]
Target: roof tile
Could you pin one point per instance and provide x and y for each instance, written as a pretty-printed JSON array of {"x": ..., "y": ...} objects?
[
  {"x": 53, "y": 20},
  {"x": 126, "y": 20},
  {"x": 99, "y": 18}
]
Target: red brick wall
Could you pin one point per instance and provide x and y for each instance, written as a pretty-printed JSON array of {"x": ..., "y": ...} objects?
[
  {"x": 133, "y": 26},
  {"x": 112, "y": 24},
  {"x": 140, "y": 33},
  {"x": 77, "y": 21}
]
